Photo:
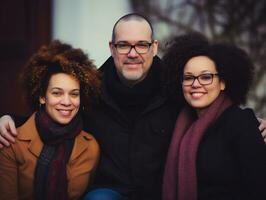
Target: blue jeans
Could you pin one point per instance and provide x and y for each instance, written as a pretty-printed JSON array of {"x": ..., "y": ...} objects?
[{"x": 103, "y": 194}]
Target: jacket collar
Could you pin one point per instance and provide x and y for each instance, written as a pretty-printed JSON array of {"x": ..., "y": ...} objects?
[
  {"x": 28, "y": 132},
  {"x": 157, "y": 100},
  {"x": 81, "y": 144}
]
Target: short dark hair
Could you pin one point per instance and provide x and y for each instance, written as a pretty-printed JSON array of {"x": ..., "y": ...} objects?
[
  {"x": 131, "y": 16},
  {"x": 232, "y": 63},
  {"x": 56, "y": 58}
]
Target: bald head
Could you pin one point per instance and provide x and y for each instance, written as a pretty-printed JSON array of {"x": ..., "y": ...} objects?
[{"x": 131, "y": 17}]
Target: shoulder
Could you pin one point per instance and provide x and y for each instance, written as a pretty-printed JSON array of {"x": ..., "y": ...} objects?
[
  {"x": 86, "y": 136},
  {"x": 237, "y": 127},
  {"x": 27, "y": 130},
  {"x": 236, "y": 122},
  {"x": 109, "y": 62},
  {"x": 87, "y": 140},
  {"x": 235, "y": 114}
]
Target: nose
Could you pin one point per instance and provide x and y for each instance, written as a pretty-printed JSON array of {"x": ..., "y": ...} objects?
[
  {"x": 66, "y": 100},
  {"x": 132, "y": 52},
  {"x": 196, "y": 83}
]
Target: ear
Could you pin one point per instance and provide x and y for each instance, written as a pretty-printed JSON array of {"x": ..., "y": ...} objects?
[
  {"x": 42, "y": 100},
  {"x": 222, "y": 85},
  {"x": 155, "y": 45},
  {"x": 111, "y": 47}
]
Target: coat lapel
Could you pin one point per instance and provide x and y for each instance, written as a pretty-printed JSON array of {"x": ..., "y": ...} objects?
[
  {"x": 28, "y": 132},
  {"x": 80, "y": 145}
]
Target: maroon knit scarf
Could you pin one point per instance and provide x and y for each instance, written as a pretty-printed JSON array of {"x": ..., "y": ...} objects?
[
  {"x": 50, "y": 178},
  {"x": 180, "y": 178}
]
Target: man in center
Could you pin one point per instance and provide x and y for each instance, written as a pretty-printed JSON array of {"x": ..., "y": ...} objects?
[{"x": 134, "y": 122}]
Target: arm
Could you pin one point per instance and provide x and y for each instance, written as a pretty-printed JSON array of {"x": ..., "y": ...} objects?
[
  {"x": 8, "y": 130},
  {"x": 262, "y": 128},
  {"x": 8, "y": 174}
]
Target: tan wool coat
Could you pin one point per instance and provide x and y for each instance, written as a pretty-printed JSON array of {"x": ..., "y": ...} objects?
[{"x": 18, "y": 162}]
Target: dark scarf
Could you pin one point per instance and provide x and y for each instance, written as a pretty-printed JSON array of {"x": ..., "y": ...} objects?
[
  {"x": 50, "y": 180},
  {"x": 180, "y": 178},
  {"x": 133, "y": 100}
]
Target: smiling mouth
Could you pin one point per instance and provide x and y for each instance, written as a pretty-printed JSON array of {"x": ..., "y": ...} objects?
[
  {"x": 132, "y": 65},
  {"x": 197, "y": 94},
  {"x": 65, "y": 112}
]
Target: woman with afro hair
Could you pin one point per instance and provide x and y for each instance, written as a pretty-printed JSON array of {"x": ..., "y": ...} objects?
[
  {"x": 53, "y": 157},
  {"x": 216, "y": 151}
]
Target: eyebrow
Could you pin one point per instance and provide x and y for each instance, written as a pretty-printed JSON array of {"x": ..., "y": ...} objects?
[
  {"x": 201, "y": 72},
  {"x": 57, "y": 88}
]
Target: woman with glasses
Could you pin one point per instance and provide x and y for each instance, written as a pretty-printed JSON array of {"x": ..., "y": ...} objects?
[{"x": 216, "y": 151}]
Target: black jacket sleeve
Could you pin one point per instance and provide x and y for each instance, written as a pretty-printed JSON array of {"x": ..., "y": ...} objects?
[{"x": 19, "y": 120}]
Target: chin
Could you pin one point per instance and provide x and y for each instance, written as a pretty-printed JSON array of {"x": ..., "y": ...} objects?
[
  {"x": 133, "y": 76},
  {"x": 198, "y": 105},
  {"x": 63, "y": 120}
]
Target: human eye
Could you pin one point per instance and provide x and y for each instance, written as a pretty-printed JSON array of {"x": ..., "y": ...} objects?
[
  {"x": 74, "y": 94},
  {"x": 56, "y": 93},
  {"x": 188, "y": 78},
  {"x": 122, "y": 45},
  {"x": 143, "y": 45},
  {"x": 205, "y": 77}
]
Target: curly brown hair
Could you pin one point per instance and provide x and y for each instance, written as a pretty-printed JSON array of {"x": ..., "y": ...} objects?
[{"x": 55, "y": 58}]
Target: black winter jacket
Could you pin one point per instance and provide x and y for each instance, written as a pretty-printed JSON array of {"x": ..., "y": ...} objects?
[
  {"x": 132, "y": 154},
  {"x": 231, "y": 158}
]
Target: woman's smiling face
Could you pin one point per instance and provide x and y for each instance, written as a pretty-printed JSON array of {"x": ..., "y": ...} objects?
[
  {"x": 62, "y": 98},
  {"x": 198, "y": 95}
]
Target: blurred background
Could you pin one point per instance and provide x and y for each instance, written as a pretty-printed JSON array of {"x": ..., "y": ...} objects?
[{"x": 27, "y": 24}]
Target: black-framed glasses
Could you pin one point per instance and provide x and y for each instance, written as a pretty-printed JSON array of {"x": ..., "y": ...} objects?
[
  {"x": 204, "y": 79},
  {"x": 140, "y": 47}
]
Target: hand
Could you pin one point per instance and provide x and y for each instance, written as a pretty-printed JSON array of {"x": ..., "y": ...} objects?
[
  {"x": 8, "y": 131},
  {"x": 262, "y": 128}
]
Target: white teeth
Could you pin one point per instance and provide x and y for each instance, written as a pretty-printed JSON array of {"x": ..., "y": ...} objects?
[
  {"x": 196, "y": 94},
  {"x": 65, "y": 112}
]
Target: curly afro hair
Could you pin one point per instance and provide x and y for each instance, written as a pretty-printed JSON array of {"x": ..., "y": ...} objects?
[
  {"x": 232, "y": 64},
  {"x": 60, "y": 58},
  {"x": 178, "y": 52},
  {"x": 236, "y": 68}
]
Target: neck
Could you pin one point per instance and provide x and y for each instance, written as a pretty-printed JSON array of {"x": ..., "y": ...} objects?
[{"x": 199, "y": 112}]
